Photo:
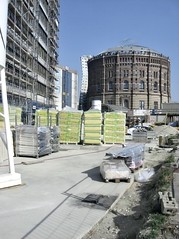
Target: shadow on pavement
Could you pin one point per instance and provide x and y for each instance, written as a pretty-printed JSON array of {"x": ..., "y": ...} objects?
[{"x": 94, "y": 174}]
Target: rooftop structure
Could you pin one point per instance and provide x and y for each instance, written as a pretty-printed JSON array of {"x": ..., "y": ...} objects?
[{"x": 132, "y": 49}]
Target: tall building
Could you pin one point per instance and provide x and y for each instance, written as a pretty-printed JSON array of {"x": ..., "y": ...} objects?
[
  {"x": 59, "y": 90},
  {"x": 31, "y": 53},
  {"x": 132, "y": 76},
  {"x": 68, "y": 87},
  {"x": 84, "y": 80}
]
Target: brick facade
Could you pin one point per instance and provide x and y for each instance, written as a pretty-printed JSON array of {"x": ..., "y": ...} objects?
[{"x": 132, "y": 76}]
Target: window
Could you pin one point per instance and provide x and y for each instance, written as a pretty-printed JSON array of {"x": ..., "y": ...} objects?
[
  {"x": 165, "y": 87},
  {"x": 155, "y": 86},
  {"x": 110, "y": 86},
  {"x": 155, "y": 105},
  {"x": 126, "y": 103},
  {"x": 141, "y": 85},
  {"x": 165, "y": 76},
  {"x": 110, "y": 74},
  {"x": 141, "y": 104},
  {"x": 155, "y": 74},
  {"x": 126, "y": 73},
  {"x": 142, "y": 73},
  {"x": 126, "y": 85}
]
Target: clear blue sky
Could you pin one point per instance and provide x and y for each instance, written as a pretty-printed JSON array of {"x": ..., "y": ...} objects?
[{"x": 88, "y": 27}]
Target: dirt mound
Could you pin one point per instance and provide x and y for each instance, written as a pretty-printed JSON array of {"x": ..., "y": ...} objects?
[{"x": 165, "y": 130}]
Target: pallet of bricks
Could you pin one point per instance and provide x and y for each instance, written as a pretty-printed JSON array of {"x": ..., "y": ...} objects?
[
  {"x": 92, "y": 126},
  {"x": 70, "y": 126},
  {"x": 114, "y": 128},
  {"x": 54, "y": 141}
]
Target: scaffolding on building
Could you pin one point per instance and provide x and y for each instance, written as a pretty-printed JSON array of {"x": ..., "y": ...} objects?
[{"x": 31, "y": 53}]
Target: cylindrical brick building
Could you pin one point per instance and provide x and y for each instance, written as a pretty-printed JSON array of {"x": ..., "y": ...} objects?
[{"x": 132, "y": 76}]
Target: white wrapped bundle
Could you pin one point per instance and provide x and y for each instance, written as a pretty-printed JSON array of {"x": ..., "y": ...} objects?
[{"x": 114, "y": 169}]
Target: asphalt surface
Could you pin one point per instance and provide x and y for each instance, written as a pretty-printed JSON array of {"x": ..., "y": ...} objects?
[{"x": 50, "y": 202}]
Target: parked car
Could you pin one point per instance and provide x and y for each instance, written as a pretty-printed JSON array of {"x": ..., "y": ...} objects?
[{"x": 138, "y": 127}]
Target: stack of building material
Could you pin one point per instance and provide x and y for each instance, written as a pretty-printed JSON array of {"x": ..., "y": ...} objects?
[
  {"x": 115, "y": 170},
  {"x": 70, "y": 126},
  {"x": 52, "y": 117},
  {"x": 55, "y": 138},
  {"x": 41, "y": 117},
  {"x": 114, "y": 127},
  {"x": 92, "y": 126},
  {"x": 32, "y": 141},
  {"x": 133, "y": 155},
  {"x": 14, "y": 116}
]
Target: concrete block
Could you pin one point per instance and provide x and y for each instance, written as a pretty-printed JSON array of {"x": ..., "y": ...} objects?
[
  {"x": 168, "y": 204},
  {"x": 169, "y": 207},
  {"x": 163, "y": 196}
]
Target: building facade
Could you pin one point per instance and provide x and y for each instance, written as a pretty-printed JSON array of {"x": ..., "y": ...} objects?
[
  {"x": 84, "y": 80},
  {"x": 31, "y": 53},
  {"x": 132, "y": 76},
  {"x": 68, "y": 88}
]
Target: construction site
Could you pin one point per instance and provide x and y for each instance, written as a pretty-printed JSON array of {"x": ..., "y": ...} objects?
[
  {"x": 31, "y": 53},
  {"x": 76, "y": 164},
  {"x": 74, "y": 174}
]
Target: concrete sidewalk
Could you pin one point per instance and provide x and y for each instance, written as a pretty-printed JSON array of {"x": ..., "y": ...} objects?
[{"x": 49, "y": 203}]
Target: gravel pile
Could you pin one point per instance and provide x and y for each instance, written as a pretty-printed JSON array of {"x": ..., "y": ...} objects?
[{"x": 165, "y": 130}]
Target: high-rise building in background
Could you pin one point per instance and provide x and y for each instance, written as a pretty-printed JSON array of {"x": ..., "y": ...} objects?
[
  {"x": 84, "y": 80},
  {"x": 58, "y": 100},
  {"x": 132, "y": 76},
  {"x": 68, "y": 88},
  {"x": 31, "y": 53}
]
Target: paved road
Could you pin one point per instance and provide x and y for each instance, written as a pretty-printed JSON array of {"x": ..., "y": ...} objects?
[{"x": 49, "y": 204}]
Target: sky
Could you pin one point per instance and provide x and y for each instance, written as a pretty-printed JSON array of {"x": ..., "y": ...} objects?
[{"x": 89, "y": 27}]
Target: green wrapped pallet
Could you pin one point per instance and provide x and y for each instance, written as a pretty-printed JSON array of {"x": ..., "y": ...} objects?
[
  {"x": 14, "y": 115},
  {"x": 114, "y": 128},
  {"x": 41, "y": 117},
  {"x": 92, "y": 126},
  {"x": 52, "y": 117},
  {"x": 70, "y": 125}
]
